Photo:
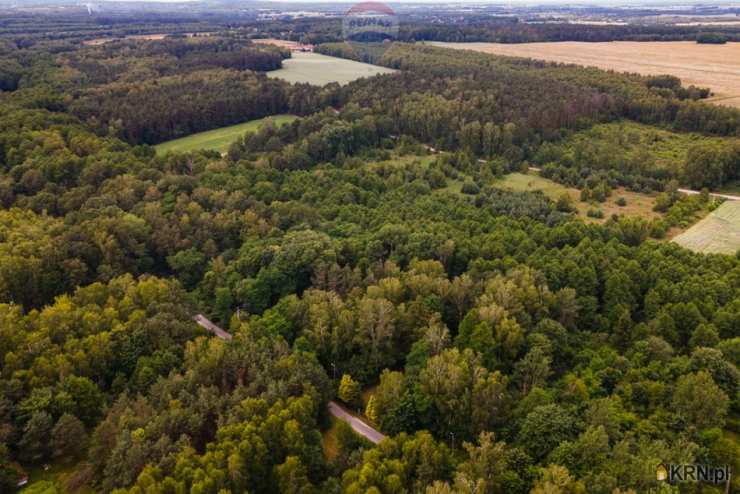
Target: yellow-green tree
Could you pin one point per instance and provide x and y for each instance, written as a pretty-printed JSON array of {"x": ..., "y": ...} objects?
[
  {"x": 349, "y": 390},
  {"x": 371, "y": 410}
]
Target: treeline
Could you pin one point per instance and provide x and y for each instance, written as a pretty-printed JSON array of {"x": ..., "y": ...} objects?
[
  {"x": 441, "y": 95},
  {"x": 470, "y": 29},
  {"x": 26, "y": 29},
  {"x": 621, "y": 154},
  {"x": 148, "y": 92},
  {"x": 485, "y": 28},
  {"x": 314, "y": 139},
  {"x": 158, "y": 110},
  {"x": 707, "y": 165},
  {"x": 129, "y": 60},
  {"x": 310, "y": 30},
  {"x": 492, "y": 106}
]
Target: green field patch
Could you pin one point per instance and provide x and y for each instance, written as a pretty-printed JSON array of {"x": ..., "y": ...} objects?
[
  {"x": 219, "y": 139},
  {"x": 401, "y": 160},
  {"x": 631, "y": 142},
  {"x": 454, "y": 186},
  {"x": 522, "y": 182},
  {"x": 637, "y": 204},
  {"x": 318, "y": 69},
  {"x": 718, "y": 233}
]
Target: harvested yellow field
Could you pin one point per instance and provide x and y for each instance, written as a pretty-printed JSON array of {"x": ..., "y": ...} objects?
[
  {"x": 283, "y": 43},
  {"x": 139, "y": 37},
  {"x": 713, "y": 66}
]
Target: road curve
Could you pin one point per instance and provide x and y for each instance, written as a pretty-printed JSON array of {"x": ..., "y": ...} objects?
[{"x": 357, "y": 425}]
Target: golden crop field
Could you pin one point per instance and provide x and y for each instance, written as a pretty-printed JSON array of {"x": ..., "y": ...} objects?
[
  {"x": 283, "y": 43},
  {"x": 713, "y": 66}
]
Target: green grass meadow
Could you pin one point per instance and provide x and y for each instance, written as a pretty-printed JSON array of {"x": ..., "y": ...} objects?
[
  {"x": 639, "y": 205},
  {"x": 522, "y": 182},
  {"x": 218, "y": 139},
  {"x": 318, "y": 69}
]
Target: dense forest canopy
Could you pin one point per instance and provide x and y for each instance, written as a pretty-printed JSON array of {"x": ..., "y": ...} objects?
[
  {"x": 514, "y": 30},
  {"x": 500, "y": 341}
]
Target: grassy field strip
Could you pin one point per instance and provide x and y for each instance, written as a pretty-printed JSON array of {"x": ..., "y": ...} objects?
[
  {"x": 218, "y": 139},
  {"x": 522, "y": 182},
  {"x": 718, "y": 233},
  {"x": 318, "y": 69}
]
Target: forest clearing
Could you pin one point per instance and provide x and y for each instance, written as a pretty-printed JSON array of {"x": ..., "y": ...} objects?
[
  {"x": 631, "y": 142},
  {"x": 637, "y": 204},
  {"x": 317, "y": 69},
  {"x": 219, "y": 139},
  {"x": 283, "y": 43}
]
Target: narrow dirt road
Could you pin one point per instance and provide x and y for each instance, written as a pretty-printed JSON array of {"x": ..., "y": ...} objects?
[
  {"x": 357, "y": 425},
  {"x": 690, "y": 192},
  {"x": 729, "y": 197}
]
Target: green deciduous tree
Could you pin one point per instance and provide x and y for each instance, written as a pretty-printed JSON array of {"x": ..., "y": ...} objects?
[
  {"x": 544, "y": 428},
  {"x": 68, "y": 438},
  {"x": 556, "y": 479},
  {"x": 699, "y": 401},
  {"x": 34, "y": 443}
]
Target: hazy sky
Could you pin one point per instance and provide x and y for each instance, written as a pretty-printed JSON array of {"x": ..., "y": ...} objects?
[
  {"x": 611, "y": 3},
  {"x": 644, "y": 3}
]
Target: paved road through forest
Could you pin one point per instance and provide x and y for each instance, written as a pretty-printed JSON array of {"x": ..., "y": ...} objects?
[
  {"x": 357, "y": 425},
  {"x": 204, "y": 322},
  {"x": 335, "y": 409}
]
